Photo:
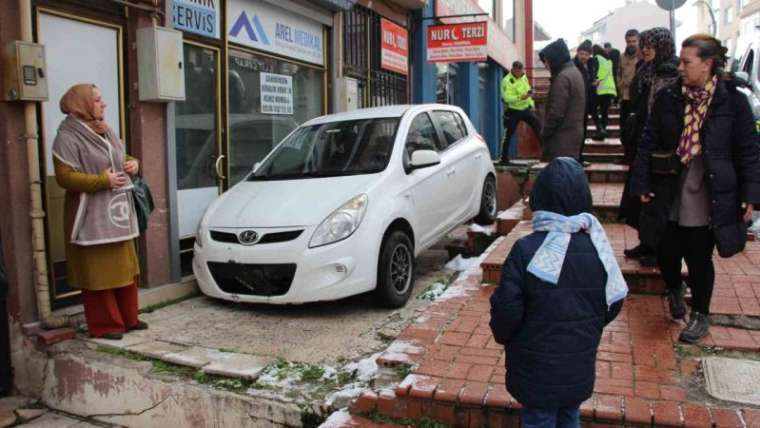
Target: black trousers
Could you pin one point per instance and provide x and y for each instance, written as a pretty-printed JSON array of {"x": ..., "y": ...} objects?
[
  {"x": 696, "y": 246},
  {"x": 601, "y": 112},
  {"x": 511, "y": 119}
]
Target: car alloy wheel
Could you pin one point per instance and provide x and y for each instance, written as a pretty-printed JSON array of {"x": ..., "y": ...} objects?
[
  {"x": 401, "y": 268},
  {"x": 489, "y": 195}
]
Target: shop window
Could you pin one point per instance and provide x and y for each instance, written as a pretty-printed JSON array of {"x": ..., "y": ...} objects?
[
  {"x": 257, "y": 123},
  {"x": 445, "y": 90},
  {"x": 362, "y": 54}
]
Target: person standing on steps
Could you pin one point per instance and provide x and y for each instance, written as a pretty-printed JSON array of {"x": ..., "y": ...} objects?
[
  {"x": 587, "y": 66},
  {"x": 559, "y": 287},
  {"x": 605, "y": 92},
  {"x": 562, "y": 131},
  {"x": 698, "y": 176},
  {"x": 100, "y": 222},
  {"x": 629, "y": 62},
  {"x": 517, "y": 96},
  {"x": 614, "y": 56},
  {"x": 659, "y": 70}
]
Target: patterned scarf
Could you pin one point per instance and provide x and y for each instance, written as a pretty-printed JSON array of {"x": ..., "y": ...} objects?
[
  {"x": 548, "y": 260},
  {"x": 697, "y": 102}
]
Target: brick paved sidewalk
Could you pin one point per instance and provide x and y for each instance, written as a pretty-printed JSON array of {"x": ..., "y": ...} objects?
[{"x": 456, "y": 370}]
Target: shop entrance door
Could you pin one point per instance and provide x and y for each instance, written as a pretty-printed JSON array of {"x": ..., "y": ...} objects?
[
  {"x": 200, "y": 164},
  {"x": 78, "y": 50}
]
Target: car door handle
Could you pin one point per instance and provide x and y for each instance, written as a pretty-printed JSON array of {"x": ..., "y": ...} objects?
[
  {"x": 451, "y": 172},
  {"x": 218, "y": 167},
  {"x": 479, "y": 155}
]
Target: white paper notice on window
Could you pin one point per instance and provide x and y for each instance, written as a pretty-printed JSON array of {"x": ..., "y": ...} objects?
[{"x": 276, "y": 93}]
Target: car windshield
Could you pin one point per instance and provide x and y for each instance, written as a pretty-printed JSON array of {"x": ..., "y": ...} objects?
[{"x": 332, "y": 149}]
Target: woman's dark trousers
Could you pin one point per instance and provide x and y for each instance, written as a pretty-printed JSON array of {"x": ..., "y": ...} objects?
[
  {"x": 601, "y": 112},
  {"x": 696, "y": 246}
]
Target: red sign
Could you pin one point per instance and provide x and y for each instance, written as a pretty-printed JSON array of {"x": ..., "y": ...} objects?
[
  {"x": 465, "y": 42},
  {"x": 394, "y": 53}
]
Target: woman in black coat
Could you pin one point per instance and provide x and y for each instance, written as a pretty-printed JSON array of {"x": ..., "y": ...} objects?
[
  {"x": 697, "y": 173},
  {"x": 659, "y": 70}
]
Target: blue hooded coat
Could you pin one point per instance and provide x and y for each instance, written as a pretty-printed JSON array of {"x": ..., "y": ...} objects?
[{"x": 552, "y": 331}]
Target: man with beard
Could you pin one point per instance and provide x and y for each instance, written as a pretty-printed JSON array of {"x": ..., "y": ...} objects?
[{"x": 628, "y": 64}]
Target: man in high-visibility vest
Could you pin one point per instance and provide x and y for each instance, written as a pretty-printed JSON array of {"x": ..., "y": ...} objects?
[
  {"x": 519, "y": 106},
  {"x": 606, "y": 91}
]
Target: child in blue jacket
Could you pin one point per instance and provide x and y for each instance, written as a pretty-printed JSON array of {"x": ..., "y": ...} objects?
[{"x": 559, "y": 287}]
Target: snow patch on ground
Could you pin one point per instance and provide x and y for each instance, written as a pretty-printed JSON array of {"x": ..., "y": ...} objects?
[
  {"x": 434, "y": 291},
  {"x": 365, "y": 369},
  {"x": 338, "y": 419},
  {"x": 485, "y": 230},
  {"x": 461, "y": 264}
]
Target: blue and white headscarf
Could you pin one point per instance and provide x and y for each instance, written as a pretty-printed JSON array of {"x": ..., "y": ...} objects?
[{"x": 548, "y": 260}]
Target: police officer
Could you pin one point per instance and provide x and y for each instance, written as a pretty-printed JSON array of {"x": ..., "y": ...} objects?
[{"x": 517, "y": 96}]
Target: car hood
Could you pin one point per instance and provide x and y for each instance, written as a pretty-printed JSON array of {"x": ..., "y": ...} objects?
[{"x": 305, "y": 202}]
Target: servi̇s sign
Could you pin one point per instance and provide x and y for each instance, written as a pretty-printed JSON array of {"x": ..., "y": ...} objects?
[
  {"x": 196, "y": 16},
  {"x": 259, "y": 25}
]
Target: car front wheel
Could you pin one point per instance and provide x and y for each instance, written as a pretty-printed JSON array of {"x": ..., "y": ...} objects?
[
  {"x": 487, "y": 213},
  {"x": 395, "y": 278}
]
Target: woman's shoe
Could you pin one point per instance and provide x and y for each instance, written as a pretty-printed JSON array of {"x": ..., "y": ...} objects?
[
  {"x": 112, "y": 336},
  {"x": 635, "y": 252},
  {"x": 697, "y": 328},
  {"x": 141, "y": 325}
]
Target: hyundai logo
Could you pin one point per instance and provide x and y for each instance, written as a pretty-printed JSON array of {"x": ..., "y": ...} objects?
[{"x": 248, "y": 237}]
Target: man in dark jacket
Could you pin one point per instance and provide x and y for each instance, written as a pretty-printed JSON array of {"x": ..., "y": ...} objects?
[
  {"x": 562, "y": 133},
  {"x": 549, "y": 315},
  {"x": 587, "y": 65}
]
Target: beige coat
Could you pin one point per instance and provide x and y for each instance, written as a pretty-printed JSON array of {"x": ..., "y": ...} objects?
[{"x": 625, "y": 75}]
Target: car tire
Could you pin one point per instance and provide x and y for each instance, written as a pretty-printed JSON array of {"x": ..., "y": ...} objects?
[
  {"x": 487, "y": 213},
  {"x": 395, "y": 270}
]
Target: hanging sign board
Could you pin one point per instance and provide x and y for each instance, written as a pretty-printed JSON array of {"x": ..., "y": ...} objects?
[
  {"x": 196, "y": 16},
  {"x": 260, "y": 25},
  {"x": 466, "y": 42},
  {"x": 394, "y": 53},
  {"x": 276, "y": 93}
]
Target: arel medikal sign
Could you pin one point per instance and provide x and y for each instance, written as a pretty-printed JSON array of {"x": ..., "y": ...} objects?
[
  {"x": 197, "y": 16},
  {"x": 258, "y": 25}
]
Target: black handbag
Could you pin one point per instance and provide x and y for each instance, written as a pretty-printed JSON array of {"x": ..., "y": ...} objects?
[
  {"x": 143, "y": 202},
  {"x": 665, "y": 162}
]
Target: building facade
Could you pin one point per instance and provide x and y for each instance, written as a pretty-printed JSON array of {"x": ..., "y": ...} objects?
[
  {"x": 636, "y": 14},
  {"x": 237, "y": 58}
]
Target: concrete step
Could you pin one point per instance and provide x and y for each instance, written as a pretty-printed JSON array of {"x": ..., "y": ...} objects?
[
  {"x": 507, "y": 220},
  {"x": 596, "y": 172},
  {"x": 613, "y": 158},
  {"x": 613, "y": 131},
  {"x": 607, "y": 146},
  {"x": 642, "y": 280},
  {"x": 606, "y": 197}
]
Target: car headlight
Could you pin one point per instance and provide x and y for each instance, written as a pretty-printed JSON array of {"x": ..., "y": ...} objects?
[
  {"x": 199, "y": 234},
  {"x": 341, "y": 223}
]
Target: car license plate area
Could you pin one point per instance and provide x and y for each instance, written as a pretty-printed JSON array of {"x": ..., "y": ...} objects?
[{"x": 253, "y": 279}]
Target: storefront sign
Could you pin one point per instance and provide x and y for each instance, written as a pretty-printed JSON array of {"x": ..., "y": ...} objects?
[
  {"x": 196, "y": 16},
  {"x": 394, "y": 54},
  {"x": 500, "y": 47},
  {"x": 276, "y": 93},
  {"x": 458, "y": 42},
  {"x": 259, "y": 25}
]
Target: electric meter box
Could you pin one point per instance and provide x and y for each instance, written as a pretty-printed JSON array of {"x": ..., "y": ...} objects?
[
  {"x": 24, "y": 72},
  {"x": 160, "y": 64},
  {"x": 348, "y": 94}
]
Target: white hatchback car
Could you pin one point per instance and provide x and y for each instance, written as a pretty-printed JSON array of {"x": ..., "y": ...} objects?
[{"x": 344, "y": 204}]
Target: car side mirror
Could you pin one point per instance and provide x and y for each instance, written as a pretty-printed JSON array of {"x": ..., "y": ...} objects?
[
  {"x": 742, "y": 77},
  {"x": 424, "y": 159}
]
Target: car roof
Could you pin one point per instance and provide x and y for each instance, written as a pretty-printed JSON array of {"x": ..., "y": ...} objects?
[{"x": 376, "y": 112}]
